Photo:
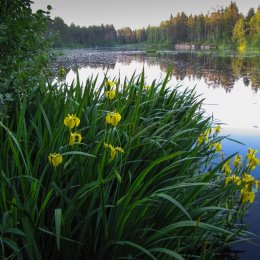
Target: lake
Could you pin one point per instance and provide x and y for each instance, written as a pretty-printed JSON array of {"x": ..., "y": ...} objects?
[{"x": 229, "y": 85}]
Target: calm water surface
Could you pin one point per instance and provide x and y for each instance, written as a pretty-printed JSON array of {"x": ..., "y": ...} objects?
[{"x": 229, "y": 84}]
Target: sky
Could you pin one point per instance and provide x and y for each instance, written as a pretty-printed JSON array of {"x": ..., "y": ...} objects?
[{"x": 133, "y": 13}]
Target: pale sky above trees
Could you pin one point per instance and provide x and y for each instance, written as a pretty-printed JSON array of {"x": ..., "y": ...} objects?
[{"x": 133, "y": 13}]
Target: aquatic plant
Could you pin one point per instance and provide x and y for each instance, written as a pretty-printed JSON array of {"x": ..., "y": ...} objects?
[{"x": 139, "y": 183}]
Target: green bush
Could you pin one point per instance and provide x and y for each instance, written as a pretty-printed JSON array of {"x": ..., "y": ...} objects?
[
  {"x": 141, "y": 184},
  {"x": 24, "y": 52}
]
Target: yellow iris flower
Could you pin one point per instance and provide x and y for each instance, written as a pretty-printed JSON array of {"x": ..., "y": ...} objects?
[
  {"x": 62, "y": 72},
  {"x": 71, "y": 121},
  {"x": 75, "y": 137},
  {"x": 247, "y": 193},
  {"x": 226, "y": 168},
  {"x": 217, "y": 129},
  {"x": 147, "y": 87},
  {"x": 113, "y": 118},
  {"x": 253, "y": 161},
  {"x": 204, "y": 136},
  {"x": 114, "y": 150},
  {"x": 249, "y": 181},
  {"x": 217, "y": 146},
  {"x": 55, "y": 159},
  {"x": 110, "y": 84},
  {"x": 110, "y": 94},
  {"x": 233, "y": 179},
  {"x": 200, "y": 139},
  {"x": 247, "y": 196},
  {"x": 237, "y": 161},
  {"x": 251, "y": 152},
  {"x": 247, "y": 177}
]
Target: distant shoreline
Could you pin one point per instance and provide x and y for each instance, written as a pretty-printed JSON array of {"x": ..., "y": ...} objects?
[{"x": 153, "y": 49}]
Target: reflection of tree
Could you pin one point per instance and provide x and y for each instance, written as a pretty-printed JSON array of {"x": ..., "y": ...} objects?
[
  {"x": 216, "y": 71},
  {"x": 237, "y": 64},
  {"x": 127, "y": 57},
  {"x": 254, "y": 73}
]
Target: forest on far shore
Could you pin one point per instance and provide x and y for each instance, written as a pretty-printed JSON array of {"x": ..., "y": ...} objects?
[{"x": 222, "y": 27}]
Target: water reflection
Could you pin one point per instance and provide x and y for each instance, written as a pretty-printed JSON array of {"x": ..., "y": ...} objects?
[
  {"x": 217, "y": 71},
  {"x": 229, "y": 84}
]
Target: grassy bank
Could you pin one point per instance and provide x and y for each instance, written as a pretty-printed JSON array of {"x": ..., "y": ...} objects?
[{"x": 118, "y": 171}]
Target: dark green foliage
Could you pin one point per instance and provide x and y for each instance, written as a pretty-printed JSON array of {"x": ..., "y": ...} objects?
[
  {"x": 76, "y": 36},
  {"x": 23, "y": 55}
]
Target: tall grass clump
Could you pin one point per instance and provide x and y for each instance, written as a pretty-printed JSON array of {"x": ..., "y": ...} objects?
[{"x": 118, "y": 171}]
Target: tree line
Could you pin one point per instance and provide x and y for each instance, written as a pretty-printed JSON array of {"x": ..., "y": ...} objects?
[{"x": 222, "y": 26}]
